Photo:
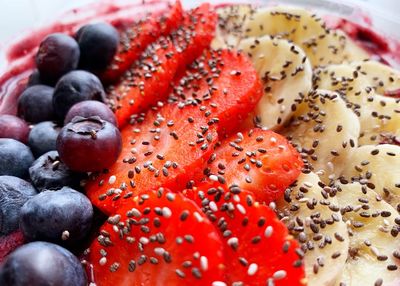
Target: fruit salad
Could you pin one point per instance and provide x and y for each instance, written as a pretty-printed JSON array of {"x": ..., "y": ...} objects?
[{"x": 221, "y": 145}]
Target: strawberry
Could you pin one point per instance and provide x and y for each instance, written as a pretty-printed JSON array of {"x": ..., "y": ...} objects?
[
  {"x": 135, "y": 40},
  {"x": 224, "y": 83},
  {"x": 262, "y": 162},
  {"x": 257, "y": 247},
  {"x": 166, "y": 147},
  {"x": 158, "y": 238},
  {"x": 149, "y": 79}
]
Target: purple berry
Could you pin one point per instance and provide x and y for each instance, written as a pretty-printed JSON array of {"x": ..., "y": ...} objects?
[
  {"x": 58, "y": 54},
  {"x": 43, "y": 138},
  {"x": 98, "y": 43},
  {"x": 42, "y": 264},
  {"x": 36, "y": 104},
  {"x": 34, "y": 78},
  {"x": 89, "y": 144},
  {"x": 75, "y": 87},
  {"x": 49, "y": 173},
  {"x": 14, "y": 192},
  {"x": 14, "y": 128},
  {"x": 64, "y": 216},
  {"x": 15, "y": 158},
  {"x": 91, "y": 108}
]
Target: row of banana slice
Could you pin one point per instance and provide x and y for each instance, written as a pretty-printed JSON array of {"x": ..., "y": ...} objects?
[{"x": 328, "y": 98}]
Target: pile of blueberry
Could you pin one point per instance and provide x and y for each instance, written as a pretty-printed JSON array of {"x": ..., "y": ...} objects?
[{"x": 63, "y": 131}]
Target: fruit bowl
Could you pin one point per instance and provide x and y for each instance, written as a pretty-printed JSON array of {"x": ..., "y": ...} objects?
[{"x": 138, "y": 126}]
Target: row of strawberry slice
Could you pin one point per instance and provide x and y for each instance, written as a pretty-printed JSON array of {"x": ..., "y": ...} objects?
[{"x": 221, "y": 232}]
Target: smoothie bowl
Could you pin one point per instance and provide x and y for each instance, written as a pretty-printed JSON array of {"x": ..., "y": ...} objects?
[{"x": 152, "y": 144}]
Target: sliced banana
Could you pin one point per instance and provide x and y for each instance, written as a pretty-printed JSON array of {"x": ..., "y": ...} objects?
[
  {"x": 230, "y": 25},
  {"x": 286, "y": 74},
  {"x": 326, "y": 130},
  {"x": 374, "y": 254},
  {"x": 379, "y": 115},
  {"x": 322, "y": 46},
  {"x": 377, "y": 167},
  {"x": 313, "y": 217}
]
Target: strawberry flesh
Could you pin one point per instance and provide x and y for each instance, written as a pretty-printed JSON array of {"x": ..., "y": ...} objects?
[
  {"x": 135, "y": 39},
  {"x": 159, "y": 238}
]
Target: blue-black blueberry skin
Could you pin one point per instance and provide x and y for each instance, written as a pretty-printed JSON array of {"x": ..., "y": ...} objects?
[
  {"x": 15, "y": 158},
  {"x": 58, "y": 54},
  {"x": 48, "y": 172},
  {"x": 64, "y": 217},
  {"x": 36, "y": 104},
  {"x": 43, "y": 137},
  {"x": 74, "y": 87},
  {"x": 98, "y": 43},
  {"x": 14, "y": 192},
  {"x": 42, "y": 264}
]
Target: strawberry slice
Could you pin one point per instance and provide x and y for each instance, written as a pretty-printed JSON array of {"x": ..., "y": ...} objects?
[
  {"x": 224, "y": 83},
  {"x": 259, "y": 161},
  {"x": 135, "y": 40},
  {"x": 158, "y": 238},
  {"x": 149, "y": 79},
  {"x": 257, "y": 247},
  {"x": 8, "y": 243},
  {"x": 166, "y": 147}
]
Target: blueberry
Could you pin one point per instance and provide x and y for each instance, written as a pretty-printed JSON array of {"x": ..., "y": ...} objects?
[
  {"x": 58, "y": 54},
  {"x": 42, "y": 264},
  {"x": 91, "y": 108},
  {"x": 43, "y": 138},
  {"x": 89, "y": 144},
  {"x": 34, "y": 78},
  {"x": 49, "y": 173},
  {"x": 36, "y": 104},
  {"x": 63, "y": 216},
  {"x": 75, "y": 87},
  {"x": 14, "y": 192},
  {"x": 15, "y": 158},
  {"x": 13, "y": 127},
  {"x": 98, "y": 43}
]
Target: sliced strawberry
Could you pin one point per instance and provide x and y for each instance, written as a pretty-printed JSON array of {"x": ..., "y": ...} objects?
[
  {"x": 260, "y": 161},
  {"x": 159, "y": 238},
  {"x": 135, "y": 40},
  {"x": 149, "y": 79},
  {"x": 257, "y": 247},
  {"x": 224, "y": 83},
  {"x": 166, "y": 147}
]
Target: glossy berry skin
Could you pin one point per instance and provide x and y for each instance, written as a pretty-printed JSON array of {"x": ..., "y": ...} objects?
[
  {"x": 98, "y": 43},
  {"x": 14, "y": 192},
  {"x": 13, "y": 127},
  {"x": 89, "y": 144},
  {"x": 57, "y": 55},
  {"x": 15, "y": 158},
  {"x": 91, "y": 108},
  {"x": 75, "y": 87},
  {"x": 36, "y": 104},
  {"x": 43, "y": 137},
  {"x": 34, "y": 78},
  {"x": 49, "y": 173},
  {"x": 42, "y": 264},
  {"x": 63, "y": 216}
]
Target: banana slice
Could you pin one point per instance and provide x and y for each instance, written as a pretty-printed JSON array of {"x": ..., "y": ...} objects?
[
  {"x": 230, "y": 25},
  {"x": 313, "y": 217},
  {"x": 379, "y": 115},
  {"x": 373, "y": 256},
  {"x": 377, "y": 167},
  {"x": 322, "y": 46},
  {"x": 286, "y": 74},
  {"x": 326, "y": 130}
]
